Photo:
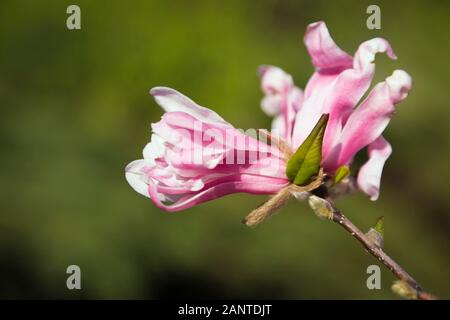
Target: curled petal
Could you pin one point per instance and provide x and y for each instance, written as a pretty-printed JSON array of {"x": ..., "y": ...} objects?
[
  {"x": 336, "y": 92},
  {"x": 349, "y": 88},
  {"x": 330, "y": 61},
  {"x": 370, "y": 119},
  {"x": 369, "y": 175},
  {"x": 324, "y": 52},
  {"x": 365, "y": 55},
  {"x": 274, "y": 80}
]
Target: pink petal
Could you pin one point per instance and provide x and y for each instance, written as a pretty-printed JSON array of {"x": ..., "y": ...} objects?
[
  {"x": 251, "y": 184},
  {"x": 282, "y": 99},
  {"x": 369, "y": 120},
  {"x": 271, "y": 105},
  {"x": 274, "y": 80},
  {"x": 329, "y": 61},
  {"x": 324, "y": 52},
  {"x": 336, "y": 91},
  {"x": 193, "y": 157},
  {"x": 369, "y": 174}
]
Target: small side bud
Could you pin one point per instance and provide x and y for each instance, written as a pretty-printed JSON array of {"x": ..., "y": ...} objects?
[
  {"x": 321, "y": 207},
  {"x": 376, "y": 234},
  {"x": 404, "y": 290}
]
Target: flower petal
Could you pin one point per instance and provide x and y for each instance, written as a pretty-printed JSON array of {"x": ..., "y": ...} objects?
[
  {"x": 324, "y": 52},
  {"x": 171, "y": 101},
  {"x": 133, "y": 174},
  {"x": 247, "y": 184},
  {"x": 336, "y": 92},
  {"x": 369, "y": 174},
  {"x": 274, "y": 80},
  {"x": 369, "y": 120},
  {"x": 282, "y": 99}
]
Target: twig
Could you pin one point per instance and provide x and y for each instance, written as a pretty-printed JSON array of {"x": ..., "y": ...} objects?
[{"x": 378, "y": 253}]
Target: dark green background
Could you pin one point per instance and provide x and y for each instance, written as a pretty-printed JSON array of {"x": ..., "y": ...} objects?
[{"x": 75, "y": 110}]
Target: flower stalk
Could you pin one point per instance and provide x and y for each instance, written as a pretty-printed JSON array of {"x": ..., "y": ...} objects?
[{"x": 377, "y": 251}]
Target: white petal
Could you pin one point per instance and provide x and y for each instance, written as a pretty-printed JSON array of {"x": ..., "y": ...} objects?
[
  {"x": 271, "y": 105},
  {"x": 154, "y": 149},
  {"x": 172, "y": 101},
  {"x": 369, "y": 175},
  {"x": 134, "y": 177}
]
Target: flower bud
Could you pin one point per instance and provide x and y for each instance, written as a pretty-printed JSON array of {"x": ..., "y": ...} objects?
[
  {"x": 376, "y": 233},
  {"x": 404, "y": 290},
  {"x": 321, "y": 207}
]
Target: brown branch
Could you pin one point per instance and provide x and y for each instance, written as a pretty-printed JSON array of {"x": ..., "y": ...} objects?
[{"x": 378, "y": 253}]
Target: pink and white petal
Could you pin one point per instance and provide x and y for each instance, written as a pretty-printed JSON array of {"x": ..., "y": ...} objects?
[
  {"x": 296, "y": 98},
  {"x": 251, "y": 184},
  {"x": 337, "y": 94},
  {"x": 171, "y": 101},
  {"x": 274, "y": 80},
  {"x": 369, "y": 175},
  {"x": 135, "y": 177},
  {"x": 370, "y": 119},
  {"x": 279, "y": 126},
  {"x": 154, "y": 149},
  {"x": 318, "y": 88},
  {"x": 365, "y": 55},
  {"x": 271, "y": 104},
  {"x": 329, "y": 61},
  {"x": 324, "y": 52}
]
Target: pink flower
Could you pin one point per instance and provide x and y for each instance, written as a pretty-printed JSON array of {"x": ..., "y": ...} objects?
[
  {"x": 196, "y": 156},
  {"x": 335, "y": 88}
]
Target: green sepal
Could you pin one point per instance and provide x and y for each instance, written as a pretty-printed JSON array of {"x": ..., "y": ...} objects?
[
  {"x": 341, "y": 173},
  {"x": 306, "y": 160}
]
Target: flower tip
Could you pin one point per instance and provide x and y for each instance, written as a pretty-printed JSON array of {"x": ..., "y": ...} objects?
[
  {"x": 312, "y": 28},
  {"x": 263, "y": 69},
  {"x": 154, "y": 91},
  {"x": 161, "y": 91},
  {"x": 316, "y": 24},
  {"x": 373, "y": 192},
  {"x": 389, "y": 51},
  {"x": 400, "y": 83}
]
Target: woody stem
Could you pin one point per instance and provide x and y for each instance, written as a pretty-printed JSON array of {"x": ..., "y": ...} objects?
[{"x": 378, "y": 253}]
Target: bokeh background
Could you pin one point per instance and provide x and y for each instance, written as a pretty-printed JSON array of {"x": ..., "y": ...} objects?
[{"x": 75, "y": 110}]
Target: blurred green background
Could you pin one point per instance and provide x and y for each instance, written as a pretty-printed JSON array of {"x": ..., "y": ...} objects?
[{"x": 75, "y": 110}]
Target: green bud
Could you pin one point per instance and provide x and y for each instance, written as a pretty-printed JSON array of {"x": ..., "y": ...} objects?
[
  {"x": 404, "y": 290},
  {"x": 321, "y": 207},
  {"x": 376, "y": 234}
]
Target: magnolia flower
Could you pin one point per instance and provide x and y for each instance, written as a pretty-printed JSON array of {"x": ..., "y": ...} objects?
[
  {"x": 195, "y": 155},
  {"x": 335, "y": 88}
]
